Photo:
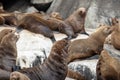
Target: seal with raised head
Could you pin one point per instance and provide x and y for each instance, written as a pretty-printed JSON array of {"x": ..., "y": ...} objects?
[
  {"x": 77, "y": 20},
  {"x": 54, "y": 68}
]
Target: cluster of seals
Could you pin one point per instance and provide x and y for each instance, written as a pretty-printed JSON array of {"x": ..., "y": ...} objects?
[
  {"x": 76, "y": 20},
  {"x": 54, "y": 68},
  {"x": 84, "y": 48},
  {"x": 8, "y": 52},
  {"x": 108, "y": 66}
]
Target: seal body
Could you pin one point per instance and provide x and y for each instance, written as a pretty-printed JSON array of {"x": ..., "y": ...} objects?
[{"x": 84, "y": 48}]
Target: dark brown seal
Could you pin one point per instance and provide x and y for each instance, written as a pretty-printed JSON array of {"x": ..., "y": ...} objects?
[
  {"x": 83, "y": 48},
  {"x": 32, "y": 23},
  {"x": 8, "y": 53},
  {"x": 77, "y": 20},
  {"x": 54, "y": 68},
  {"x": 108, "y": 67}
]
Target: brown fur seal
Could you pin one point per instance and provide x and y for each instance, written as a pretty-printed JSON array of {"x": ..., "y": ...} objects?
[
  {"x": 115, "y": 36},
  {"x": 54, "y": 68},
  {"x": 33, "y": 24},
  {"x": 108, "y": 67},
  {"x": 8, "y": 54},
  {"x": 83, "y": 48},
  {"x": 57, "y": 25},
  {"x": 76, "y": 20}
]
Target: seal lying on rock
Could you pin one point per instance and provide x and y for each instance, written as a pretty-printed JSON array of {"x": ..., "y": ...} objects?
[
  {"x": 54, "y": 68},
  {"x": 8, "y": 53},
  {"x": 84, "y": 48},
  {"x": 32, "y": 23}
]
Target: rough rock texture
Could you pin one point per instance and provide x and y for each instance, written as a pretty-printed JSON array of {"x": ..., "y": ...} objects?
[
  {"x": 112, "y": 51},
  {"x": 66, "y": 7},
  {"x": 99, "y": 11},
  {"x": 86, "y": 68}
]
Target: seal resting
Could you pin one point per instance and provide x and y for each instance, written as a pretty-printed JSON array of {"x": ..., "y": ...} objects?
[
  {"x": 108, "y": 66},
  {"x": 76, "y": 20},
  {"x": 84, "y": 48},
  {"x": 8, "y": 53},
  {"x": 32, "y": 23},
  {"x": 54, "y": 67}
]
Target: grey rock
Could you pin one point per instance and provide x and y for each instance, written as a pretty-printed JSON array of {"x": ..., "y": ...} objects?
[
  {"x": 99, "y": 11},
  {"x": 112, "y": 51},
  {"x": 66, "y": 7},
  {"x": 85, "y": 67}
]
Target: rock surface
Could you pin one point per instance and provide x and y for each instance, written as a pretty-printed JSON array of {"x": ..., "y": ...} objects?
[
  {"x": 85, "y": 67},
  {"x": 99, "y": 11}
]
